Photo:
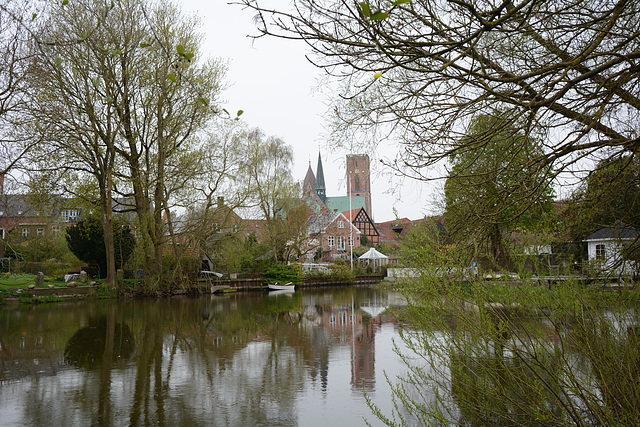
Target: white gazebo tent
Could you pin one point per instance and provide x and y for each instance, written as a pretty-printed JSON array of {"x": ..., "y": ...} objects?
[{"x": 374, "y": 258}]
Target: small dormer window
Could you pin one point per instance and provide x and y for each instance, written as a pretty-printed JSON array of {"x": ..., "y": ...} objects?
[
  {"x": 70, "y": 215},
  {"x": 340, "y": 224}
]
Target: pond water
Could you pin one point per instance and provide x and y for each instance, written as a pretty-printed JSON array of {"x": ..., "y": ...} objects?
[{"x": 247, "y": 359}]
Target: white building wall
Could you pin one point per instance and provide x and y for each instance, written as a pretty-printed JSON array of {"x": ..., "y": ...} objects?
[{"x": 612, "y": 263}]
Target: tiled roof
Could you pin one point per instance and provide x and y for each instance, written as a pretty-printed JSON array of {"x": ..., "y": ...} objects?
[
  {"x": 318, "y": 223},
  {"x": 620, "y": 231}
]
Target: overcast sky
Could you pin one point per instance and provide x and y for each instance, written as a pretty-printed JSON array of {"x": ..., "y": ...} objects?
[{"x": 277, "y": 88}]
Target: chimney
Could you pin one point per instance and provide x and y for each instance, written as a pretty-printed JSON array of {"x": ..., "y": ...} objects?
[{"x": 220, "y": 201}]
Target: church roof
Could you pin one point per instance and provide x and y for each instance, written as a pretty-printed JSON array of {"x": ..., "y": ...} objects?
[{"x": 342, "y": 203}]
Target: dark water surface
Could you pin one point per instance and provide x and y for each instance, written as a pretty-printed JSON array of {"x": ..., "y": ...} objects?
[{"x": 247, "y": 359}]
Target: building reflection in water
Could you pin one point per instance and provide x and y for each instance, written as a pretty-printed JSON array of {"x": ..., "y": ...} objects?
[{"x": 234, "y": 360}]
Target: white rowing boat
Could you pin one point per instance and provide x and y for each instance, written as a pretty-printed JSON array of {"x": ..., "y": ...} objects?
[{"x": 286, "y": 287}]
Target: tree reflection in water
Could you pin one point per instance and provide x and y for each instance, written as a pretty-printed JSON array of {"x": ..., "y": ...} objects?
[
  {"x": 243, "y": 359},
  {"x": 103, "y": 338}
]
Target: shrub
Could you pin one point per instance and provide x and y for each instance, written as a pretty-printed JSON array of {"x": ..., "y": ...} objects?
[
  {"x": 341, "y": 273},
  {"x": 284, "y": 274},
  {"x": 516, "y": 355}
]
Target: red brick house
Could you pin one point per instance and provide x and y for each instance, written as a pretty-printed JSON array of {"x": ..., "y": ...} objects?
[{"x": 333, "y": 234}]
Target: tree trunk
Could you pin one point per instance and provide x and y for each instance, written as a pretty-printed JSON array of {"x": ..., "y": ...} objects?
[
  {"x": 107, "y": 226},
  {"x": 497, "y": 248}
]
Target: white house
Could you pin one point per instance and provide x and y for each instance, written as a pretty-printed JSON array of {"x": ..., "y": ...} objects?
[{"x": 605, "y": 248}]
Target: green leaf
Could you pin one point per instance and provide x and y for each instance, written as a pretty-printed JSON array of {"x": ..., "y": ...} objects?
[
  {"x": 366, "y": 9},
  {"x": 379, "y": 16},
  {"x": 240, "y": 112},
  {"x": 188, "y": 56},
  {"x": 225, "y": 110},
  {"x": 205, "y": 102},
  {"x": 377, "y": 75},
  {"x": 117, "y": 52},
  {"x": 65, "y": 2},
  {"x": 399, "y": 2},
  {"x": 180, "y": 49},
  {"x": 58, "y": 61},
  {"x": 84, "y": 35},
  {"x": 143, "y": 45},
  {"x": 34, "y": 16},
  {"x": 172, "y": 77}
]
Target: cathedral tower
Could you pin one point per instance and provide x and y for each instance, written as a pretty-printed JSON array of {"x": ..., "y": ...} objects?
[{"x": 359, "y": 179}]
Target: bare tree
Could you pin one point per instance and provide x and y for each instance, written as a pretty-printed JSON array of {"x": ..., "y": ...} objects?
[
  {"x": 418, "y": 70},
  {"x": 209, "y": 186},
  {"x": 273, "y": 192},
  {"x": 16, "y": 35},
  {"x": 122, "y": 101},
  {"x": 164, "y": 92}
]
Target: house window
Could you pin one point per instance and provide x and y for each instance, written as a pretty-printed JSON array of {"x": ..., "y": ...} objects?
[
  {"x": 55, "y": 230},
  {"x": 340, "y": 243},
  {"x": 25, "y": 232},
  {"x": 331, "y": 242},
  {"x": 340, "y": 224},
  {"x": 40, "y": 231},
  {"x": 1, "y": 233},
  {"x": 350, "y": 241},
  {"x": 600, "y": 252},
  {"x": 70, "y": 215}
]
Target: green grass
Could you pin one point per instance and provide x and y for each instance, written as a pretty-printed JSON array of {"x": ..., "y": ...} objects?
[
  {"x": 16, "y": 280},
  {"x": 22, "y": 281}
]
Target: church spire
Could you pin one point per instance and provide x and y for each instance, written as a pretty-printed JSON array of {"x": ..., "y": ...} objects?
[{"x": 321, "y": 189}]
